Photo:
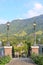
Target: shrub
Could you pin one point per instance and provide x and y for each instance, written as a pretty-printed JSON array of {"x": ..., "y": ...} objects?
[
  {"x": 4, "y": 60},
  {"x": 38, "y": 59}
]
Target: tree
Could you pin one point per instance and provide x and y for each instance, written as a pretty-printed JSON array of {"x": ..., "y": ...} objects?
[{"x": 28, "y": 48}]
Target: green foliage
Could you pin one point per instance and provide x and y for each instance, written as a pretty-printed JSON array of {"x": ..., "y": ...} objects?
[
  {"x": 26, "y": 25},
  {"x": 38, "y": 59},
  {"x": 21, "y": 30},
  {"x": 4, "y": 60},
  {"x": 28, "y": 44},
  {"x": 21, "y": 49},
  {"x": 28, "y": 48}
]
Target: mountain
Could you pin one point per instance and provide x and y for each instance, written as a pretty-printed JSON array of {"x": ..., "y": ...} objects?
[{"x": 25, "y": 25}]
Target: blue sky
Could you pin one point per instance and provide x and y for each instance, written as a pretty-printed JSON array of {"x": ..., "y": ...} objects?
[{"x": 19, "y": 9}]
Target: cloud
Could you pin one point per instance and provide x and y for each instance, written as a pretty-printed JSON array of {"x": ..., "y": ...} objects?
[
  {"x": 35, "y": 11},
  {"x": 18, "y": 18},
  {"x": 38, "y": 6},
  {"x": 2, "y": 21}
]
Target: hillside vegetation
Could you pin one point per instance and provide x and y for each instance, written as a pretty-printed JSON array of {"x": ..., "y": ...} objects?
[
  {"x": 18, "y": 26},
  {"x": 21, "y": 30}
]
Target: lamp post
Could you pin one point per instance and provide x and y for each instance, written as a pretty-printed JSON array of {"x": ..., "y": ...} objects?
[
  {"x": 34, "y": 25},
  {"x": 39, "y": 40},
  {"x": 8, "y": 24}
]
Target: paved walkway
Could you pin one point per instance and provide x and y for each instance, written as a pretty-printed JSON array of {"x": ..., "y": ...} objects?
[{"x": 21, "y": 61}]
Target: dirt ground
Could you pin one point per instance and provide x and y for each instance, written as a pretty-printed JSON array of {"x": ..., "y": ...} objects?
[{"x": 21, "y": 61}]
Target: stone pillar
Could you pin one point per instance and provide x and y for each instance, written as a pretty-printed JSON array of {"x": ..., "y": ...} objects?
[
  {"x": 8, "y": 50},
  {"x": 35, "y": 49}
]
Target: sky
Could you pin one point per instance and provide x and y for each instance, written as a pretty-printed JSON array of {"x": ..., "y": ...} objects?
[{"x": 19, "y": 9}]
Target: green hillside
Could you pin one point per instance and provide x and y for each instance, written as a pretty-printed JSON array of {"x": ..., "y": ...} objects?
[
  {"x": 26, "y": 25},
  {"x": 22, "y": 30}
]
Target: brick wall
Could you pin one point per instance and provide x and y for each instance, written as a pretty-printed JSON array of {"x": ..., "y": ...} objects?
[
  {"x": 8, "y": 50},
  {"x": 35, "y": 49}
]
